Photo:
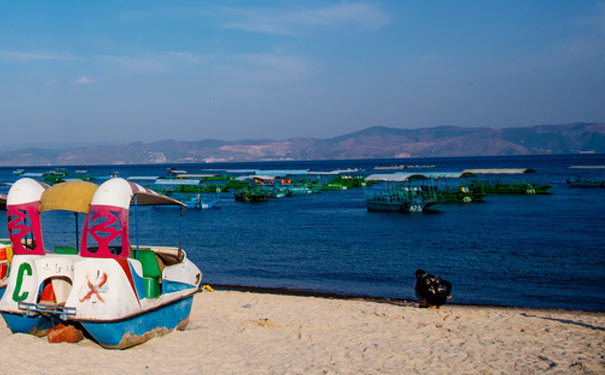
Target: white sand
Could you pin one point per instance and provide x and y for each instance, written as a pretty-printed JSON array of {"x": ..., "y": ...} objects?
[{"x": 248, "y": 333}]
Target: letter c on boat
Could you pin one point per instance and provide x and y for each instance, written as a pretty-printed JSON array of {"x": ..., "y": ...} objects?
[{"x": 23, "y": 268}]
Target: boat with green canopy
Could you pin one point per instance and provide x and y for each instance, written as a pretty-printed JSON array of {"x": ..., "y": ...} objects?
[
  {"x": 455, "y": 186},
  {"x": 184, "y": 187},
  {"x": 339, "y": 179},
  {"x": 401, "y": 192},
  {"x": 258, "y": 189},
  {"x": 508, "y": 181}
]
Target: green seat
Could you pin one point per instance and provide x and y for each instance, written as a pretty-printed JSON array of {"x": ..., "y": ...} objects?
[
  {"x": 151, "y": 272},
  {"x": 149, "y": 262},
  {"x": 152, "y": 287},
  {"x": 66, "y": 250}
]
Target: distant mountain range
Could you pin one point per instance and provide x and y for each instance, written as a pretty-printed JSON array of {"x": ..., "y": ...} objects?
[{"x": 372, "y": 143}]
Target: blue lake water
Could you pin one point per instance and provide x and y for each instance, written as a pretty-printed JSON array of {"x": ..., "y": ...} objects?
[{"x": 545, "y": 251}]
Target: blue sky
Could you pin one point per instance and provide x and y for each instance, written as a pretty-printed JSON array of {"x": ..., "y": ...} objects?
[{"x": 95, "y": 72}]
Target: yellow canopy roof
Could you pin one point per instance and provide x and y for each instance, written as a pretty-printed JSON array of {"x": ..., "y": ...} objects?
[{"x": 68, "y": 196}]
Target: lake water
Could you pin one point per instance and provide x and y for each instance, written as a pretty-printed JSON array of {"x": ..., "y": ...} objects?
[{"x": 545, "y": 251}]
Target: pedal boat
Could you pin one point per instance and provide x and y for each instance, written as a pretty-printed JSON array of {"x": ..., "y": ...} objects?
[{"x": 121, "y": 295}]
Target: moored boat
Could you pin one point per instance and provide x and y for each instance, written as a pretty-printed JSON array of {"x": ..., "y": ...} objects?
[
  {"x": 185, "y": 187},
  {"x": 507, "y": 181},
  {"x": 585, "y": 182},
  {"x": 250, "y": 194},
  {"x": 455, "y": 187},
  {"x": 401, "y": 192},
  {"x": 587, "y": 176}
]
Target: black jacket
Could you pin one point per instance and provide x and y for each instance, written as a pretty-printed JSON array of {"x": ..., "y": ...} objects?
[{"x": 432, "y": 289}]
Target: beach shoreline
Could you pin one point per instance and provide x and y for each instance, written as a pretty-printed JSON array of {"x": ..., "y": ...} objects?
[
  {"x": 260, "y": 333},
  {"x": 377, "y": 299}
]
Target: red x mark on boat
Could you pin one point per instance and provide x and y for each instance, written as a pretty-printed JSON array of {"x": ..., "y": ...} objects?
[{"x": 94, "y": 288}]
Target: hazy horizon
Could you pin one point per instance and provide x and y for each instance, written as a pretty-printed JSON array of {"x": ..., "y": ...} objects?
[
  {"x": 117, "y": 72},
  {"x": 70, "y": 145}
]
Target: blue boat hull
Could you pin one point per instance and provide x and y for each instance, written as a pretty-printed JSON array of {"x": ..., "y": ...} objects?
[
  {"x": 124, "y": 333},
  {"x": 21, "y": 323}
]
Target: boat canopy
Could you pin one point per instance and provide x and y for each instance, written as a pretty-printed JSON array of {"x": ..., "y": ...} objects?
[
  {"x": 396, "y": 177},
  {"x": 441, "y": 175},
  {"x": 337, "y": 171},
  {"x": 256, "y": 177},
  {"x": 247, "y": 171},
  {"x": 199, "y": 175},
  {"x": 281, "y": 172},
  {"x": 34, "y": 174},
  {"x": 178, "y": 182},
  {"x": 118, "y": 192},
  {"x": 500, "y": 171},
  {"x": 587, "y": 167},
  {"x": 72, "y": 196},
  {"x": 23, "y": 216},
  {"x": 143, "y": 178}
]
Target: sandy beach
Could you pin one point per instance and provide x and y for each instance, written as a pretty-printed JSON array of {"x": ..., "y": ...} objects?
[{"x": 252, "y": 333}]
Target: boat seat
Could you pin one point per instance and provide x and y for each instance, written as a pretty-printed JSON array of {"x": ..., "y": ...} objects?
[
  {"x": 152, "y": 287},
  {"x": 149, "y": 262},
  {"x": 66, "y": 250},
  {"x": 152, "y": 273}
]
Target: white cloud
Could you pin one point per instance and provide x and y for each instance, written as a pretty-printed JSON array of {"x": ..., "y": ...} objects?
[
  {"x": 185, "y": 56},
  {"x": 360, "y": 15},
  {"x": 20, "y": 56},
  {"x": 83, "y": 81},
  {"x": 134, "y": 64},
  {"x": 300, "y": 21},
  {"x": 152, "y": 63},
  {"x": 291, "y": 65},
  {"x": 242, "y": 71}
]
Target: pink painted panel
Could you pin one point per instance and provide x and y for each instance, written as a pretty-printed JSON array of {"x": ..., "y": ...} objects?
[
  {"x": 24, "y": 219},
  {"x": 105, "y": 233}
]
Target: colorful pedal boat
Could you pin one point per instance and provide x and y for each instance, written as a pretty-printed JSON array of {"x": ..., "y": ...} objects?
[{"x": 119, "y": 295}]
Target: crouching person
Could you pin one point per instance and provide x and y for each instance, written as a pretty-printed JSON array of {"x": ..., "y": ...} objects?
[{"x": 431, "y": 291}]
